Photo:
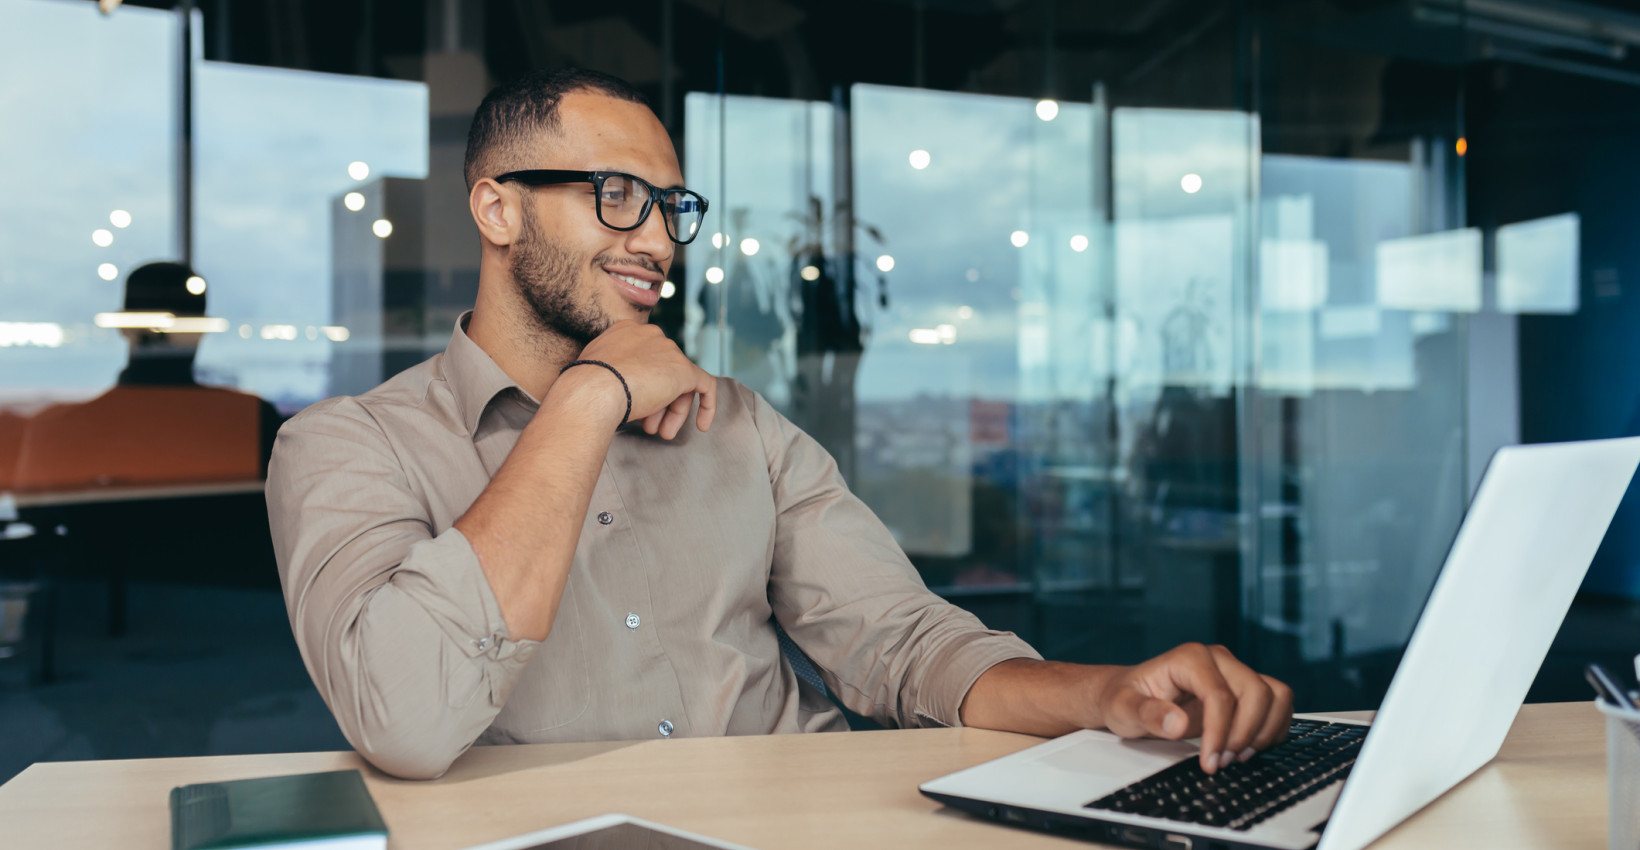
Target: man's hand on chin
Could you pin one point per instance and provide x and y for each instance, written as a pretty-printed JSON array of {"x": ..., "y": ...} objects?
[{"x": 1192, "y": 690}]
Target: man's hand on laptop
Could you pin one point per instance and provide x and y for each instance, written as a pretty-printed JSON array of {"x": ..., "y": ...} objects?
[
  {"x": 1200, "y": 690},
  {"x": 1192, "y": 690}
]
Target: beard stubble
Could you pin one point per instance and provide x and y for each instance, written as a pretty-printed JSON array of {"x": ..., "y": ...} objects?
[{"x": 546, "y": 276}]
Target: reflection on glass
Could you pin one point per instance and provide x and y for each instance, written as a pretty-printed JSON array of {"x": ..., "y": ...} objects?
[
  {"x": 1538, "y": 265},
  {"x": 1292, "y": 274},
  {"x": 156, "y": 425},
  {"x": 1432, "y": 271},
  {"x": 67, "y": 169},
  {"x": 766, "y": 165},
  {"x": 275, "y": 151},
  {"x": 1361, "y": 468}
]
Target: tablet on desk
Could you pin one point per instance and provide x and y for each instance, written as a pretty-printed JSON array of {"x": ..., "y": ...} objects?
[{"x": 612, "y": 832}]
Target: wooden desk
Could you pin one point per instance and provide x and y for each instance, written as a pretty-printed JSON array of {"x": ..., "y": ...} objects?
[
  {"x": 139, "y": 493},
  {"x": 856, "y": 789}
]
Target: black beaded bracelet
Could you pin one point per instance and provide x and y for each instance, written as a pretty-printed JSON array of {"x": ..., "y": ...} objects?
[{"x": 616, "y": 372}]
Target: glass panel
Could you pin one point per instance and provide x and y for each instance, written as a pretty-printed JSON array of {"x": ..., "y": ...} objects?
[
  {"x": 307, "y": 200},
  {"x": 88, "y": 193},
  {"x": 1368, "y": 285},
  {"x": 752, "y": 310},
  {"x": 1182, "y": 191}
]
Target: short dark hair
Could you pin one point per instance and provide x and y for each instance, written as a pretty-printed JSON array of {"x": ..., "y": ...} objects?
[
  {"x": 514, "y": 111},
  {"x": 163, "y": 288}
]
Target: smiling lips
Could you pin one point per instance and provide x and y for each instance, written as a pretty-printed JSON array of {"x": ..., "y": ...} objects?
[{"x": 639, "y": 290}]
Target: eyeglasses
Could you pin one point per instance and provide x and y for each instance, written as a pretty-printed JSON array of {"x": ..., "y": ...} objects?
[{"x": 624, "y": 201}]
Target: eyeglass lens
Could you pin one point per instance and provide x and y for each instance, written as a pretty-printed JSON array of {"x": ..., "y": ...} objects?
[{"x": 622, "y": 199}]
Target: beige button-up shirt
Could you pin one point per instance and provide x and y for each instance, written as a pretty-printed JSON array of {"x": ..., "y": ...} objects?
[{"x": 690, "y": 550}]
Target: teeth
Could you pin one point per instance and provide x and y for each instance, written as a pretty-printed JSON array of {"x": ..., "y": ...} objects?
[{"x": 641, "y": 284}]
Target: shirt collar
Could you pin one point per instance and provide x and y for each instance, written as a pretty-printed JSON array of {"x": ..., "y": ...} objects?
[{"x": 473, "y": 376}]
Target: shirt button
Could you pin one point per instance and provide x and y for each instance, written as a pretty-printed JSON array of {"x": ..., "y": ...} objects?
[
  {"x": 666, "y": 728},
  {"x": 482, "y": 643},
  {"x": 605, "y": 517},
  {"x": 632, "y": 621}
]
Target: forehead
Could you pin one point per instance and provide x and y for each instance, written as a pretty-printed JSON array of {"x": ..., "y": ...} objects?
[{"x": 598, "y": 132}]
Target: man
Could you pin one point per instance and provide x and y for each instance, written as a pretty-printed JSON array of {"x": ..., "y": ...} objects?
[
  {"x": 156, "y": 425},
  {"x": 561, "y": 528}
]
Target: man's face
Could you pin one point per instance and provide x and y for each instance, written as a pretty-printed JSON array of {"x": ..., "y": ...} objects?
[{"x": 577, "y": 275}]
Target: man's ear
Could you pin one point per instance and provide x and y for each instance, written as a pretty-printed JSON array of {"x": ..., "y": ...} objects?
[{"x": 495, "y": 212}]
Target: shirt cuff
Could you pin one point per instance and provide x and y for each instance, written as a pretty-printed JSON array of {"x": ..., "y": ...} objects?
[
  {"x": 955, "y": 670},
  {"x": 461, "y": 602}
]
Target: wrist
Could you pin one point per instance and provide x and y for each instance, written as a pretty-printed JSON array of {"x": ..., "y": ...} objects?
[
  {"x": 1095, "y": 694},
  {"x": 595, "y": 392}
]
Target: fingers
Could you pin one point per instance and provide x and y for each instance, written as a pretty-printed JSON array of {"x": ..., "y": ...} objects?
[
  {"x": 1135, "y": 715},
  {"x": 1196, "y": 690},
  {"x": 1193, "y": 670},
  {"x": 675, "y": 414},
  {"x": 1263, "y": 709},
  {"x": 1242, "y": 710},
  {"x": 1279, "y": 718},
  {"x": 1253, "y": 700},
  {"x": 707, "y": 388}
]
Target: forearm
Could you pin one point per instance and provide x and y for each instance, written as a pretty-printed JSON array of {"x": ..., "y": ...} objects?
[
  {"x": 525, "y": 525},
  {"x": 1046, "y": 698}
]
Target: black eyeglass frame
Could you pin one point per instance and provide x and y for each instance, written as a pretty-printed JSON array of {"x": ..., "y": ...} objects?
[{"x": 556, "y": 176}]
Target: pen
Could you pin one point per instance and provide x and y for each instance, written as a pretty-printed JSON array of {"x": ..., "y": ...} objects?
[{"x": 1607, "y": 687}]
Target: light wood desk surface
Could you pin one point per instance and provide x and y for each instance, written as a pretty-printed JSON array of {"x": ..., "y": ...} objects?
[{"x": 1546, "y": 789}]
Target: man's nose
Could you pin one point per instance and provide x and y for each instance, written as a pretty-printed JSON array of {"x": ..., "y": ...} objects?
[{"x": 651, "y": 239}]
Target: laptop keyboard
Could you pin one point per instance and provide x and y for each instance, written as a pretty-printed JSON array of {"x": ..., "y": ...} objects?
[{"x": 1244, "y": 794}]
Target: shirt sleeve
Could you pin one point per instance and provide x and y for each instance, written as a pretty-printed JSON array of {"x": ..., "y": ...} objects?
[
  {"x": 886, "y": 646},
  {"x": 397, "y": 625}
]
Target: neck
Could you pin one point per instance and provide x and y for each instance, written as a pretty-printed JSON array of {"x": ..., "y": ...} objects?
[
  {"x": 530, "y": 354},
  {"x": 159, "y": 367}
]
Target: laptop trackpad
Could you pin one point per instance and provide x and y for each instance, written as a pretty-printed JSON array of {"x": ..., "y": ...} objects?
[{"x": 1101, "y": 755}]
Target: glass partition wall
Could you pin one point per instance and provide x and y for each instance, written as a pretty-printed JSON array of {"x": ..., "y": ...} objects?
[
  {"x": 1171, "y": 359},
  {"x": 1136, "y": 324}
]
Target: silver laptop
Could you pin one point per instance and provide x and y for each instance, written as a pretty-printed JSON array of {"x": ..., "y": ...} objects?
[{"x": 1533, "y": 528}]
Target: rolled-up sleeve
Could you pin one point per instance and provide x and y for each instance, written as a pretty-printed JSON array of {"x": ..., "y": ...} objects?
[
  {"x": 886, "y": 646},
  {"x": 397, "y": 625}
]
